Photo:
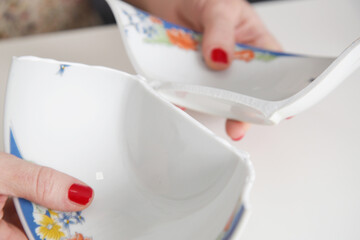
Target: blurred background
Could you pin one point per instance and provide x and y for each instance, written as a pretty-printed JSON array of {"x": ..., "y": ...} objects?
[{"x": 27, "y": 17}]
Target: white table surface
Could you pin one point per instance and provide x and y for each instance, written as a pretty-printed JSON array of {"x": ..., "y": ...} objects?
[{"x": 307, "y": 169}]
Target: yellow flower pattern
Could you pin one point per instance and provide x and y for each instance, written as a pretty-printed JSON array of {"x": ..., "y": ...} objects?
[
  {"x": 55, "y": 225},
  {"x": 47, "y": 224},
  {"x": 49, "y": 229}
]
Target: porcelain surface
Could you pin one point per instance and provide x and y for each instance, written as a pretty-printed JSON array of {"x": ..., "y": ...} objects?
[
  {"x": 156, "y": 172},
  {"x": 261, "y": 86}
]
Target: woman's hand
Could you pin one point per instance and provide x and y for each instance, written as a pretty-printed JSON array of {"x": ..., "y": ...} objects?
[
  {"x": 223, "y": 23},
  {"x": 41, "y": 185}
]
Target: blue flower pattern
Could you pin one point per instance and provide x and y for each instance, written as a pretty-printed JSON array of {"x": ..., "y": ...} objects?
[{"x": 62, "y": 69}]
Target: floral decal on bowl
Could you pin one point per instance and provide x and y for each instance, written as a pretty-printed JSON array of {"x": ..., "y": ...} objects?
[
  {"x": 156, "y": 30},
  {"x": 62, "y": 69},
  {"x": 244, "y": 54},
  {"x": 54, "y": 225},
  {"x": 232, "y": 224},
  {"x": 44, "y": 223}
]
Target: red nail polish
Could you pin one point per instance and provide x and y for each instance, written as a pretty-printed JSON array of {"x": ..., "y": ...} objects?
[
  {"x": 288, "y": 118},
  {"x": 238, "y": 139},
  {"x": 80, "y": 194},
  {"x": 182, "y": 108},
  {"x": 219, "y": 55}
]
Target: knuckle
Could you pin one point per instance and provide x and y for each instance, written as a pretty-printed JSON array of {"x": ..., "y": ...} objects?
[
  {"x": 44, "y": 182},
  {"x": 217, "y": 11}
]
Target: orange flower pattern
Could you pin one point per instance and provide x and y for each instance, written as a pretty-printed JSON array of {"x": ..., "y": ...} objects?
[
  {"x": 79, "y": 236},
  {"x": 181, "y": 39},
  {"x": 232, "y": 223},
  {"x": 246, "y": 55},
  {"x": 155, "y": 20},
  {"x": 156, "y": 30}
]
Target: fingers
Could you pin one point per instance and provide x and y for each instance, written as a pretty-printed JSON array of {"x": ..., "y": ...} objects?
[
  {"x": 181, "y": 107},
  {"x": 236, "y": 130},
  {"x": 252, "y": 30},
  {"x": 9, "y": 231},
  {"x": 226, "y": 22},
  {"x": 219, "y": 31},
  {"x": 42, "y": 185}
]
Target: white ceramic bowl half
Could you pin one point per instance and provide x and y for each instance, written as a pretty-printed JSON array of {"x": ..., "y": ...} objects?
[{"x": 156, "y": 172}]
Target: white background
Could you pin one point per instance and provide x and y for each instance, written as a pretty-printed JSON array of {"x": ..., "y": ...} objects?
[{"x": 307, "y": 168}]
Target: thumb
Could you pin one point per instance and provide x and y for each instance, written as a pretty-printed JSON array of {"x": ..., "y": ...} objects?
[
  {"x": 219, "y": 32},
  {"x": 42, "y": 185}
]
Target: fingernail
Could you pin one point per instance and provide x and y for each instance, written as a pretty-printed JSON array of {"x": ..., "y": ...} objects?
[
  {"x": 80, "y": 194},
  {"x": 182, "y": 108},
  {"x": 288, "y": 118},
  {"x": 219, "y": 55},
  {"x": 239, "y": 138}
]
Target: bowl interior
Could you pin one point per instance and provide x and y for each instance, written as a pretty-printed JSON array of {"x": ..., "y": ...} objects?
[{"x": 156, "y": 172}]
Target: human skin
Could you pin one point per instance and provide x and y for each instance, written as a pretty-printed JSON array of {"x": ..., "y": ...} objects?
[
  {"x": 223, "y": 23},
  {"x": 41, "y": 185}
]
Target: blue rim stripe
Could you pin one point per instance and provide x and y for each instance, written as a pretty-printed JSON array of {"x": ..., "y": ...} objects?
[
  {"x": 14, "y": 150},
  {"x": 257, "y": 49},
  {"x": 169, "y": 25},
  {"x": 234, "y": 223},
  {"x": 26, "y": 206}
]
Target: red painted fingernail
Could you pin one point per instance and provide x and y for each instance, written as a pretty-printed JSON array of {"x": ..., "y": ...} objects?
[
  {"x": 239, "y": 138},
  {"x": 80, "y": 194},
  {"x": 288, "y": 118},
  {"x": 182, "y": 108},
  {"x": 219, "y": 55}
]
